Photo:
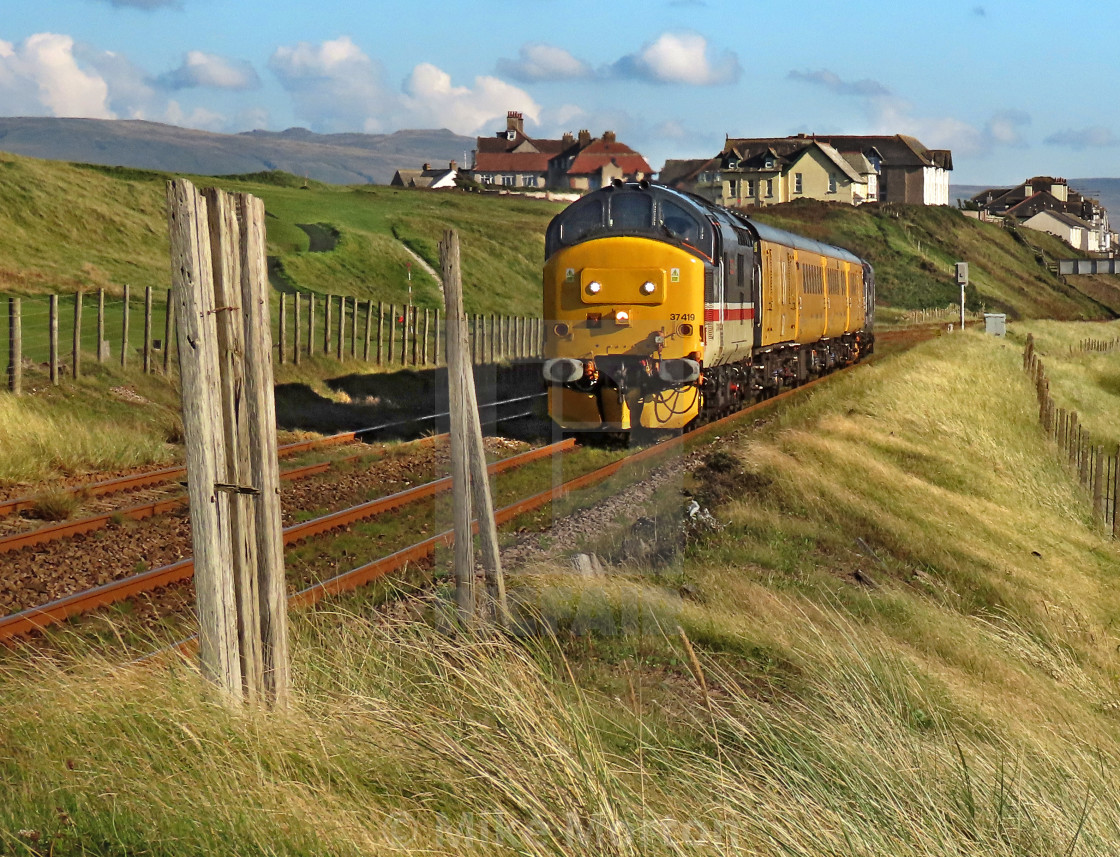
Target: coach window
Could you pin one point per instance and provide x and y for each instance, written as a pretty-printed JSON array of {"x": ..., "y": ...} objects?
[{"x": 632, "y": 211}]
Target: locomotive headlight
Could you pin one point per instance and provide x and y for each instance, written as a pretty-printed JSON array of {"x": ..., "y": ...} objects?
[
  {"x": 621, "y": 317},
  {"x": 594, "y": 287},
  {"x": 648, "y": 288}
]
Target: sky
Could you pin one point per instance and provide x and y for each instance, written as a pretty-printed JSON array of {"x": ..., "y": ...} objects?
[{"x": 1015, "y": 88}]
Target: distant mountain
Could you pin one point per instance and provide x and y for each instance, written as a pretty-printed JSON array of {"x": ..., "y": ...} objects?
[
  {"x": 333, "y": 158},
  {"x": 1105, "y": 190}
]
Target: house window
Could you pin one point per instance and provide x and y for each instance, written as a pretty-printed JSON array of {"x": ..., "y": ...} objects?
[
  {"x": 769, "y": 163},
  {"x": 750, "y": 187},
  {"x": 832, "y": 182},
  {"x": 770, "y": 188},
  {"x": 797, "y": 183},
  {"x": 733, "y": 189},
  {"x": 530, "y": 181},
  {"x": 509, "y": 181}
]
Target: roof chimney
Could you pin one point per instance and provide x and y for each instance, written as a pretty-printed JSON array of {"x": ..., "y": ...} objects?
[
  {"x": 567, "y": 139},
  {"x": 515, "y": 122},
  {"x": 584, "y": 137},
  {"x": 427, "y": 167},
  {"x": 608, "y": 136},
  {"x": 454, "y": 165}
]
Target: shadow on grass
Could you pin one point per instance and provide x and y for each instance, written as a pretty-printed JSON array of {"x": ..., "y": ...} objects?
[{"x": 377, "y": 399}]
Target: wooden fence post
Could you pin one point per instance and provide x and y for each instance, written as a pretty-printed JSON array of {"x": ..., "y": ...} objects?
[
  {"x": 354, "y": 329},
  {"x": 466, "y": 435},
  {"x": 168, "y": 330},
  {"x": 404, "y": 333},
  {"x": 435, "y": 345},
  {"x": 1098, "y": 482},
  {"x": 219, "y": 275},
  {"x": 52, "y": 319},
  {"x": 76, "y": 358},
  {"x": 101, "y": 326},
  {"x": 297, "y": 334},
  {"x": 327, "y": 301},
  {"x": 193, "y": 282},
  {"x": 427, "y": 333},
  {"x": 380, "y": 330},
  {"x": 147, "y": 330},
  {"x": 369, "y": 327},
  {"x": 310, "y": 324},
  {"x": 392, "y": 333},
  {"x": 283, "y": 329},
  {"x": 15, "y": 346},
  {"x": 340, "y": 348},
  {"x": 124, "y": 327},
  {"x": 263, "y": 461},
  {"x": 414, "y": 324}
]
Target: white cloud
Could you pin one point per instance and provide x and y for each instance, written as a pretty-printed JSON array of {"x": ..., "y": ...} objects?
[
  {"x": 537, "y": 61},
  {"x": 433, "y": 101},
  {"x": 200, "y": 117},
  {"x": 334, "y": 86},
  {"x": 1006, "y": 128},
  {"x": 834, "y": 83},
  {"x": 210, "y": 71},
  {"x": 680, "y": 58},
  {"x": 41, "y": 76}
]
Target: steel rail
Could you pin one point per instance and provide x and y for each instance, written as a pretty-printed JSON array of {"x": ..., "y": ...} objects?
[
  {"x": 37, "y": 618},
  {"x": 168, "y": 474}
]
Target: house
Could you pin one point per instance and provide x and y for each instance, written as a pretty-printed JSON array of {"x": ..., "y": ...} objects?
[
  {"x": 1070, "y": 229},
  {"x": 427, "y": 177},
  {"x": 1026, "y": 201},
  {"x": 853, "y": 170},
  {"x": 512, "y": 159}
]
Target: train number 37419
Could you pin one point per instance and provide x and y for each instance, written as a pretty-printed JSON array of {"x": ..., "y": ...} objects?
[{"x": 682, "y": 316}]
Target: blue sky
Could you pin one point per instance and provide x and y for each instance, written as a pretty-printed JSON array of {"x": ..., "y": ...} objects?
[{"x": 1014, "y": 87}]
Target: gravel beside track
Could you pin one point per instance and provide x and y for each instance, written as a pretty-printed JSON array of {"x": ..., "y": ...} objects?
[{"x": 45, "y": 573}]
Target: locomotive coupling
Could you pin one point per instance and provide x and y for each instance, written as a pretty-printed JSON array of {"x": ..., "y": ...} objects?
[
  {"x": 679, "y": 371},
  {"x": 562, "y": 370}
]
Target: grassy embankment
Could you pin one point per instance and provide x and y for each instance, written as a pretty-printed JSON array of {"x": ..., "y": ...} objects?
[{"x": 903, "y": 641}]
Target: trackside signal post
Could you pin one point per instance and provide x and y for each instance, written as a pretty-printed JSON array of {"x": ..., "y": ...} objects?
[
  {"x": 219, "y": 284},
  {"x": 962, "y": 281}
]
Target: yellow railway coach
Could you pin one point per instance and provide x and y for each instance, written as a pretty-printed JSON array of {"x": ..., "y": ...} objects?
[{"x": 662, "y": 309}]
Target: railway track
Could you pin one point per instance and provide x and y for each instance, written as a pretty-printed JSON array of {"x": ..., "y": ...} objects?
[
  {"x": 162, "y": 476},
  {"x": 110, "y": 593}
]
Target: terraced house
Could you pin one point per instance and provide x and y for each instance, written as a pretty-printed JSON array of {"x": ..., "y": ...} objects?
[
  {"x": 512, "y": 159},
  {"x": 852, "y": 170}
]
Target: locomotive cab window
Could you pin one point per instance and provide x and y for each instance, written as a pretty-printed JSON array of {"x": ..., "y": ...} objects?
[
  {"x": 575, "y": 223},
  {"x": 631, "y": 211},
  {"x": 682, "y": 225}
]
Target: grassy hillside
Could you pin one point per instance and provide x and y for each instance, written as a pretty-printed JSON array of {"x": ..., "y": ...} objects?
[
  {"x": 902, "y": 641},
  {"x": 914, "y": 249},
  {"x": 67, "y": 227},
  {"x": 64, "y": 227}
]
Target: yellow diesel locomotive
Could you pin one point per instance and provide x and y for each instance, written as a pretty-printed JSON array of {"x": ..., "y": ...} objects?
[{"x": 662, "y": 309}]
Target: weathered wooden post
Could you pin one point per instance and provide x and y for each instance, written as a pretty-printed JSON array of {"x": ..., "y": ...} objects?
[
  {"x": 124, "y": 326},
  {"x": 328, "y": 300},
  {"x": 15, "y": 346},
  {"x": 296, "y": 332},
  {"x": 76, "y": 358},
  {"x": 147, "y": 330},
  {"x": 340, "y": 346},
  {"x": 168, "y": 331},
  {"x": 101, "y": 356},
  {"x": 427, "y": 335},
  {"x": 52, "y": 318},
  {"x": 310, "y": 324},
  {"x": 354, "y": 329},
  {"x": 369, "y": 330},
  {"x": 435, "y": 345},
  {"x": 219, "y": 279},
  {"x": 1098, "y": 482},
  {"x": 469, "y": 473},
  {"x": 283, "y": 329},
  {"x": 380, "y": 331}
]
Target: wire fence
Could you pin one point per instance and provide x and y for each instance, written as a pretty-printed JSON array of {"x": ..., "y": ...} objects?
[
  {"x": 54, "y": 335},
  {"x": 1098, "y": 472}
]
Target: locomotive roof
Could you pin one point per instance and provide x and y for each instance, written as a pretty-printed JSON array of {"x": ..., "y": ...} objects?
[{"x": 765, "y": 231}]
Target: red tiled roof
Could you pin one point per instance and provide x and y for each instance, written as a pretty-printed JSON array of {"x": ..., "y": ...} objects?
[
  {"x": 516, "y": 162},
  {"x": 600, "y": 153}
]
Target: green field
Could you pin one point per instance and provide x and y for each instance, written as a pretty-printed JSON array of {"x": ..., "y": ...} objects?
[{"x": 900, "y": 639}]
